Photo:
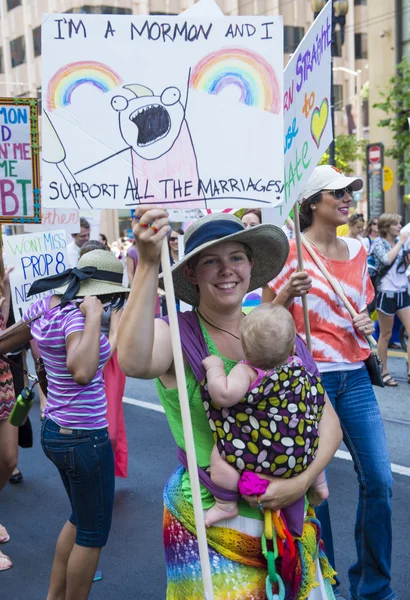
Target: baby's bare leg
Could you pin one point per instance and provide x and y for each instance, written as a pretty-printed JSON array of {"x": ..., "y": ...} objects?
[
  {"x": 318, "y": 491},
  {"x": 226, "y": 477}
]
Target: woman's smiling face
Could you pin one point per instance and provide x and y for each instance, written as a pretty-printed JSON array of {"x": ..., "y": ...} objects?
[
  {"x": 222, "y": 274},
  {"x": 332, "y": 210}
]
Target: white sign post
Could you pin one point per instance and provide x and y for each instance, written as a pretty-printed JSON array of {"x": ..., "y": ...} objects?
[
  {"x": 33, "y": 256},
  {"x": 306, "y": 112},
  {"x": 308, "y": 125}
]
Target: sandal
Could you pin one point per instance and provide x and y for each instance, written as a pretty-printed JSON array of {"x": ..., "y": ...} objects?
[
  {"x": 16, "y": 476},
  {"x": 389, "y": 381},
  {"x": 4, "y": 536},
  {"x": 5, "y": 562}
]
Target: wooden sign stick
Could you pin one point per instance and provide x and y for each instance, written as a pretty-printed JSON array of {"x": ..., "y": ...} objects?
[
  {"x": 295, "y": 226},
  {"x": 186, "y": 422}
]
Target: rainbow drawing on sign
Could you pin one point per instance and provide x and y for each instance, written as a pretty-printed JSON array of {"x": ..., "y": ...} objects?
[
  {"x": 70, "y": 77},
  {"x": 247, "y": 70}
]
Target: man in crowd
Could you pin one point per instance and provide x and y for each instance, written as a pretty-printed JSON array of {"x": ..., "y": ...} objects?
[{"x": 79, "y": 239}]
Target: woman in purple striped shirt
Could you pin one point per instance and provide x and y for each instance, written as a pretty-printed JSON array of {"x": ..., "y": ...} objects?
[{"x": 74, "y": 432}]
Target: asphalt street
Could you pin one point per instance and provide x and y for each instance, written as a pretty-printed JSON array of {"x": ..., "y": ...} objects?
[{"x": 132, "y": 563}]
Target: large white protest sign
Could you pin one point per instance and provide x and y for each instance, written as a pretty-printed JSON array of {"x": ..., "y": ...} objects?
[
  {"x": 33, "y": 256},
  {"x": 19, "y": 168},
  {"x": 306, "y": 105},
  {"x": 307, "y": 116},
  {"x": 173, "y": 111}
]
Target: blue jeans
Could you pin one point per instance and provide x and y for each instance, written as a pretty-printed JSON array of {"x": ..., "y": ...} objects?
[
  {"x": 85, "y": 461},
  {"x": 352, "y": 396}
]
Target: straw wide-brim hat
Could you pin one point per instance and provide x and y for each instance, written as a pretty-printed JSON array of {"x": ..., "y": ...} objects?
[
  {"x": 103, "y": 260},
  {"x": 268, "y": 243}
]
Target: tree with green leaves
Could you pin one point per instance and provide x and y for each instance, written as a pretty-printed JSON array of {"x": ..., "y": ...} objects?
[
  {"x": 347, "y": 151},
  {"x": 395, "y": 104}
]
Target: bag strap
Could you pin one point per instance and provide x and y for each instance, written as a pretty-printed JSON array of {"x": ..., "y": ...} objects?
[
  {"x": 34, "y": 318},
  {"x": 335, "y": 284},
  {"x": 12, "y": 363}
]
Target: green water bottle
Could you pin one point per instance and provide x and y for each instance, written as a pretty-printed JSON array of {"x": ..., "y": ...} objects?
[{"x": 24, "y": 402}]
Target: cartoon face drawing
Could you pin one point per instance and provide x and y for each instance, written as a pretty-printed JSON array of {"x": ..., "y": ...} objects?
[{"x": 150, "y": 124}]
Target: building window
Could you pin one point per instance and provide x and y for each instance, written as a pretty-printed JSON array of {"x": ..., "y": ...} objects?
[
  {"x": 337, "y": 42},
  {"x": 360, "y": 45},
  {"x": 292, "y": 37},
  {"x": 1, "y": 61},
  {"x": 12, "y": 4},
  {"x": 365, "y": 113},
  {"x": 18, "y": 51},
  {"x": 338, "y": 96},
  {"x": 360, "y": 2},
  {"x": 37, "y": 40},
  {"x": 101, "y": 10}
]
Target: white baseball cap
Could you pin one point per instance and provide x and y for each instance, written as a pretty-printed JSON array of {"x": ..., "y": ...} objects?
[{"x": 327, "y": 177}]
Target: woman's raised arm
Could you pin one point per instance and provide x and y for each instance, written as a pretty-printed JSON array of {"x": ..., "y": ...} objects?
[{"x": 144, "y": 343}]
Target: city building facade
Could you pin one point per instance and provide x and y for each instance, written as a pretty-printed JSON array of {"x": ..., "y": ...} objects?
[{"x": 363, "y": 60}]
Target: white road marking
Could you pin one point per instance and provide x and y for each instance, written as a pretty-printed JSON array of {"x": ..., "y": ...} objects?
[
  {"x": 399, "y": 469},
  {"x": 342, "y": 454},
  {"x": 142, "y": 404}
]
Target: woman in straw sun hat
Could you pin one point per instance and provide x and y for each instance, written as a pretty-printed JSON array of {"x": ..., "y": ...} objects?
[
  {"x": 340, "y": 348},
  {"x": 74, "y": 432},
  {"x": 223, "y": 261}
]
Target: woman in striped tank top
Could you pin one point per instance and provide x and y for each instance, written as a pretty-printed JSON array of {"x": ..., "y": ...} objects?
[
  {"x": 340, "y": 349},
  {"x": 74, "y": 432}
]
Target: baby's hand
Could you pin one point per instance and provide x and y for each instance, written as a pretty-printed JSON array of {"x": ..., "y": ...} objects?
[{"x": 213, "y": 361}]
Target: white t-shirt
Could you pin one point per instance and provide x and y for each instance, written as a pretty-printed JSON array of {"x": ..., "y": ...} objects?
[
  {"x": 395, "y": 280},
  {"x": 73, "y": 254}
]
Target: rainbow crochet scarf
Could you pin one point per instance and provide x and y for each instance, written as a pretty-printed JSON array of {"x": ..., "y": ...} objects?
[{"x": 239, "y": 557}]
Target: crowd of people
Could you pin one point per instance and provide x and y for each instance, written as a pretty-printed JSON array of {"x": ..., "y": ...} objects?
[{"x": 268, "y": 414}]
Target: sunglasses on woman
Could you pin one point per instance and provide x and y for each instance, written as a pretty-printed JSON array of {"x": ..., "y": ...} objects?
[
  {"x": 173, "y": 239},
  {"x": 339, "y": 194}
]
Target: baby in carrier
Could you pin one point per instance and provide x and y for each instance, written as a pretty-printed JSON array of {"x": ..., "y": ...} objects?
[{"x": 265, "y": 414}]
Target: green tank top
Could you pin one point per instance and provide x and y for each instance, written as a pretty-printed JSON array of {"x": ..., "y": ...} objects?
[{"x": 203, "y": 439}]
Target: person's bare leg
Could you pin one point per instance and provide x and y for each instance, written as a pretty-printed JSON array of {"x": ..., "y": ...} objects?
[
  {"x": 82, "y": 565},
  {"x": 226, "y": 477},
  {"x": 318, "y": 491},
  {"x": 404, "y": 316},
  {"x": 8, "y": 450},
  {"x": 8, "y": 462},
  {"x": 64, "y": 547},
  {"x": 386, "y": 328}
]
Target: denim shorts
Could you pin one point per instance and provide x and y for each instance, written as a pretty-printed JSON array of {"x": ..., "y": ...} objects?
[
  {"x": 85, "y": 461},
  {"x": 391, "y": 302}
]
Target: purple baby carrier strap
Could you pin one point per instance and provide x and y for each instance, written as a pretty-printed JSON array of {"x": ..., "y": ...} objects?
[
  {"x": 195, "y": 349},
  {"x": 207, "y": 482}
]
